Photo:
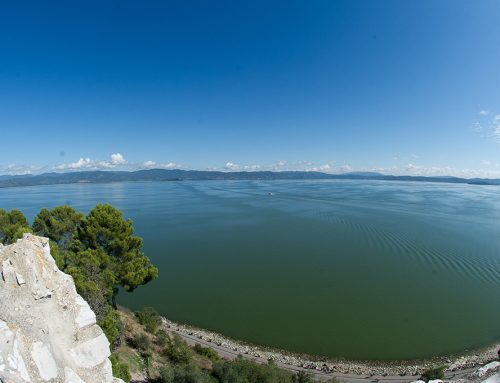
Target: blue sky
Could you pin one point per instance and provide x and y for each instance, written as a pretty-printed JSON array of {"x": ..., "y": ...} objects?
[{"x": 402, "y": 87}]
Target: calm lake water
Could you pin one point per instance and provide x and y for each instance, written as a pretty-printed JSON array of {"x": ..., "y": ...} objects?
[{"x": 356, "y": 269}]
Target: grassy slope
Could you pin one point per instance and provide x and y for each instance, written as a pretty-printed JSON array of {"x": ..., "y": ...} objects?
[{"x": 146, "y": 355}]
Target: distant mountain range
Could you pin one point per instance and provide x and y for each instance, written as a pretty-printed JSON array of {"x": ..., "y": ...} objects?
[{"x": 181, "y": 175}]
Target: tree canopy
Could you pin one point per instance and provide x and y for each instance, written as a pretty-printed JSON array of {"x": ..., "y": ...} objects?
[
  {"x": 12, "y": 226},
  {"x": 105, "y": 231}
]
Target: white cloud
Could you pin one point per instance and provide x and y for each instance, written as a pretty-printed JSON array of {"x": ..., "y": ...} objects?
[
  {"x": 82, "y": 163},
  {"x": 118, "y": 159},
  {"x": 486, "y": 162},
  {"x": 86, "y": 163},
  {"x": 169, "y": 165},
  {"x": 345, "y": 169},
  {"x": 16, "y": 169},
  {"x": 251, "y": 167},
  {"x": 149, "y": 164},
  {"x": 278, "y": 166},
  {"x": 322, "y": 168},
  {"x": 436, "y": 171},
  {"x": 231, "y": 166},
  {"x": 153, "y": 164},
  {"x": 495, "y": 128},
  {"x": 484, "y": 112},
  {"x": 489, "y": 128},
  {"x": 477, "y": 127},
  {"x": 307, "y": 163}
]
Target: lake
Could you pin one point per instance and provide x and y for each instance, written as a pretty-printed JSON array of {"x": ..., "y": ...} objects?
[{"x": 355, "y": 269}]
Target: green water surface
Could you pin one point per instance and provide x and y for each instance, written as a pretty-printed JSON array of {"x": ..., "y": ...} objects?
[{"x": 355, "y": 269}]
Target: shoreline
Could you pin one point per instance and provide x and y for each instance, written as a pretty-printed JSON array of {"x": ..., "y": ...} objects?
[{"x": 457, "y": 363}]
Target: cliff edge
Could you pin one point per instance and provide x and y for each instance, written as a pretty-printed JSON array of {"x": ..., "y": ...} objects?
[{"x": 48, "y": 333}]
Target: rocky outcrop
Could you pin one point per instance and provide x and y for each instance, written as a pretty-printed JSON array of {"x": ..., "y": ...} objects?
[{"x": 48, "y": 333}]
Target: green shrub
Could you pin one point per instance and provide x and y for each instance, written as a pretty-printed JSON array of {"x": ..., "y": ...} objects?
[
  {"x": 149, "y": 318},
  {"x": 167, "y": 374},
  {"x": 111, "y": 324},
  {"x": 207, "y": 352},
  {"x": 304, "y": 377},
  {"x": 186, "y": 373},
  {"x": 434, "y": 373},
  {"x": 141, "y": 342},
  {"x": 13, "y": 225},
  {"x": 162, "y": 338},
  {"x": 178, "y": 351},
  {"x": 244, "y": 370},
  {"x": 120, "y": 369},
  {"x": 190, "y": 373}
]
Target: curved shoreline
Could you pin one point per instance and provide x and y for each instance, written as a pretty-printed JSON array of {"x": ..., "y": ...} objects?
[{"x": 458, "y": 364}]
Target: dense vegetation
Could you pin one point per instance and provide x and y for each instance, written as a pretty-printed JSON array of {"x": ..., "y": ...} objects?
[{"x": 103, "y": 255}]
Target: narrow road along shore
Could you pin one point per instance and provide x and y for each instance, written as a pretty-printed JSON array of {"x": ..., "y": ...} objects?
[{"x": 228, "y": 353}]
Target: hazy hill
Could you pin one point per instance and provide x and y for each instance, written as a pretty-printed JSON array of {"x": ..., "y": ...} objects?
[{"x": 180, "y": 175}]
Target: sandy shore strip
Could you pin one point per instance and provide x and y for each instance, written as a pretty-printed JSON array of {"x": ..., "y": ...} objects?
[{"x": 460, "y": 366}]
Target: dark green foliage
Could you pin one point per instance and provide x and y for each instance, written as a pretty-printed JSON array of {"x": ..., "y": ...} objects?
[
  {"x": 120, "y": 369},
  {"x": 178, "y": 351},
  {"x": 13, "y": 225},
  {"x": 142, "y": 343},
  {"x": 59, "y": 225},
  {"x": 207, "y": 352},
  {"x": 304, "y": 377},
  {"x": 149, "y": 318},
  {"x": 190, "y": 373},
  {"x": 167, "y": 374},
  {"x": 148, "y": 361},
  {"x": 111, "y": 325},
  {"x": 162, "y": 338},
  {"x": 245, "y": 371},
  {"x": 105, "y": 231},
  {"x": 434, "y": 373},
  {"x": 186, "y": 373},
  {"x": 56, "y": 254},
  {"x": 94, "y": 282}
]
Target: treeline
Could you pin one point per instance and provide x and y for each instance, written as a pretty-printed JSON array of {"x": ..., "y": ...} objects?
[{"x": 99, "y": 250}]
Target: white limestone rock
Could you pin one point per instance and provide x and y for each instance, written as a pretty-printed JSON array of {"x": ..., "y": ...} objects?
[
  {"x": 91, "y": 353},
  {"x": 492, "y": 379},
  {"x": 86, "y": 316},
  {"x": 492, "y": 366},
  {"x": 12, "y": 364},
  {"x": 48, "y": 333},
  {"x": 71, "y": 376},
  {"x": 44, "y": 360}
]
